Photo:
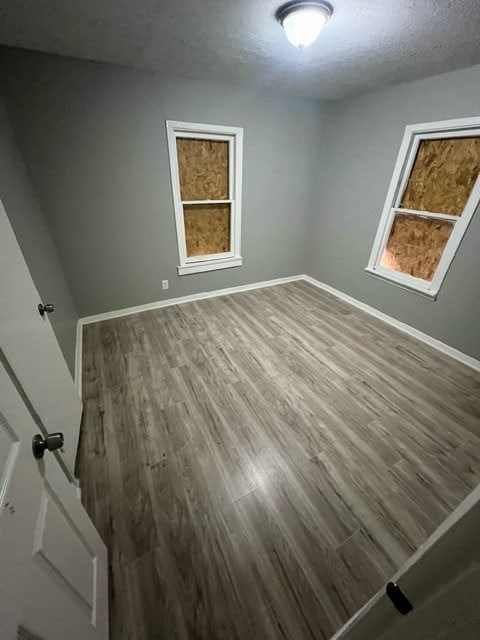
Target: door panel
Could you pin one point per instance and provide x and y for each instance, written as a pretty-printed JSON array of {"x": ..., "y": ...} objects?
[
  {"x": 31, "y": 348},
  {"x": 19, "y": 499},
  {"x": 53, "y": 563},
  {"x": 8, "y": 449},
  {"x": 59, "y": 544}
]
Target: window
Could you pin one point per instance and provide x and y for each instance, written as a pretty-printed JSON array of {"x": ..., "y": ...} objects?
[
  {"x": 206, "y": 171},
  {"x": 433, "y": 194}
]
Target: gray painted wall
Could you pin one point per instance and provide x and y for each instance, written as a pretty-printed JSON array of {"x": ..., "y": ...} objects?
[
  {"x": 363, "y": 142},
  {"x": 315, "y": 179},
  {"x": 34, "y": 239},
  {"x": 93, "y": 137}
]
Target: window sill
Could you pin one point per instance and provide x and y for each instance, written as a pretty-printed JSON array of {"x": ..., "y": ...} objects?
[
  {"x": 213, "y": 265},
  {"x": 430, "y": 294}
]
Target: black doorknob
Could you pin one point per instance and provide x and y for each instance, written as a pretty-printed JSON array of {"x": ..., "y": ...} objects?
[
  {"x": 45, "y": 308},
  {"x": 52, "y": 442}
]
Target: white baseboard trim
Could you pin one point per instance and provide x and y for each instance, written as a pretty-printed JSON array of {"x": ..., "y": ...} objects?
[
  {"x": 195, "y": 296},
  {"x": 419, "y": 335},
  {"x": 406, "y": 328},
  {"x": 159, "y": 305}
]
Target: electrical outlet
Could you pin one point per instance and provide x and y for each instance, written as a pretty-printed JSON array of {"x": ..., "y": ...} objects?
[{"x": 164, "y": 284}]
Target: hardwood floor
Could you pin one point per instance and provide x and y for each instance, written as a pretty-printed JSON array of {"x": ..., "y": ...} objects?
[{"x": 260, "y": 464}]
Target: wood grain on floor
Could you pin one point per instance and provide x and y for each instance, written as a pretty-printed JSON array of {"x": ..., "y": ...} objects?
[{"x": 260, "y": 464}]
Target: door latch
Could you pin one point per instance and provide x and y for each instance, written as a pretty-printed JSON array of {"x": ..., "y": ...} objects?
[
  {"x": 45, "y": 308},
  {"x": 399, "y": 600},
  {"x": 52, "y": 442}
]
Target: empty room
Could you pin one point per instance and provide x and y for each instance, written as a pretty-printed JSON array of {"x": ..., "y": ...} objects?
[{"x": 239, "y": 320}]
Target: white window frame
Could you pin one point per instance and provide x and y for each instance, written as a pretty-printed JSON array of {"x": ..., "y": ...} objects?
[
  {"x": 414, "y": 134},
  {"x": 234, "y": 137}
]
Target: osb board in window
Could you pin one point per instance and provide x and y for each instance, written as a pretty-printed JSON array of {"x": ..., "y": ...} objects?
[
  {"x": 443, "y": 175},
  {"x": 415, "y": 245},
  {"x": 207, "y": 228},
  {"x": 203, "y": 169}
]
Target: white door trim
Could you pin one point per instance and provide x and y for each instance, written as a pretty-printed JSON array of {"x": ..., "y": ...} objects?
[{"x": 451, "y": 520}]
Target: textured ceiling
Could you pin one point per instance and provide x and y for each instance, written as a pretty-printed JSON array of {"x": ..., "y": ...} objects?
[{"x": 366, "y": 44}]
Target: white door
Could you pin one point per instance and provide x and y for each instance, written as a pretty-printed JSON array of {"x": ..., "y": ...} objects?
[
  {"x": 53, "y": 563},
  {"x": 442, "y": 583},
  {"x": 30, "y": 346}
]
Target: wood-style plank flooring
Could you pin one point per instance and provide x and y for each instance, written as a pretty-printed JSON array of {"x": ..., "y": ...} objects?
[{"x": 260, "y": 464}]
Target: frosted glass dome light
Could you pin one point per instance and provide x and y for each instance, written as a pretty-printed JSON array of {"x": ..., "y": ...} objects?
[{"x": 303, "y": 21}]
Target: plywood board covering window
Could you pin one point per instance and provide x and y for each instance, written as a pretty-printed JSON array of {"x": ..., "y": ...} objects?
[
  {"x": 203, "y": 168},
  {"x": 415, "y": 245},
  {"x": 206, "y": 171},
  {"x": 207, "y": 228},
  {"x": 443, "y": 175},
  {"x": 433, "y": 194}
]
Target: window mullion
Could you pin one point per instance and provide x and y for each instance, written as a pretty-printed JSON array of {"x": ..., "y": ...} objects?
[
  {"x": 426, "y": 214},
  {"x": 199, "y": 202}
]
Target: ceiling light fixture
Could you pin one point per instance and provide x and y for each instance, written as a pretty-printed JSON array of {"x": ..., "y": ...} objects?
[{"x": 303, "y": 21}]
